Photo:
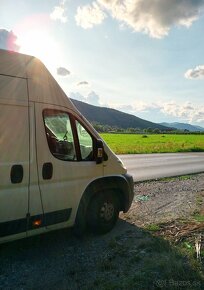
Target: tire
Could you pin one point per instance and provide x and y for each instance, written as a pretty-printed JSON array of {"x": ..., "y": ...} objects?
[{"x": 103, "y": 212}]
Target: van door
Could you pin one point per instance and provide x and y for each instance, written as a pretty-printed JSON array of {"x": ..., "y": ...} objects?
[
  {"x": 65, "y": 150},
  {"x": 14, "y": 156}
]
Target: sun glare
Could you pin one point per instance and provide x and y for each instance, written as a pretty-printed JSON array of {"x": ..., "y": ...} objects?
[{"x": 41, "y": 45}]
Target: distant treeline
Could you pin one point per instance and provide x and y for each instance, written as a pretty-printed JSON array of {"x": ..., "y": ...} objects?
[{"x": 113, "y": 129}]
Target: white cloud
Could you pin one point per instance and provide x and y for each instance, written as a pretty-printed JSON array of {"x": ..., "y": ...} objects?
[
  {"x": 145, "y": 107},
  {"x": 92, "y": 98},
  {"x": 89, "y": 15},
  {"x": 185, "y": 112},
  {"x": 58, "y": 12},
  {"x": 8, "y": 40},
  {"x": 77, "y": 96},
  {"x": 139, "y": 106},
  {"x": 196, "y": 73},
  {"x": 83, "y": 83},
  {"x": 62, "y": 71},
  {"x": 152, "y": 17}
]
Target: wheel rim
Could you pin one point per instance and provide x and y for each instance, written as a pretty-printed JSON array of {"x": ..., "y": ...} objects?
[{"x": 107, "y": 211}]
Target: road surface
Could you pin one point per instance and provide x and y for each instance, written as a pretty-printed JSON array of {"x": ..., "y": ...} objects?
[{"x": 151, "y": 166}]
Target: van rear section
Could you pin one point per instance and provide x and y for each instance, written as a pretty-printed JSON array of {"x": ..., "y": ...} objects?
[{"x": 55, "y": 169}]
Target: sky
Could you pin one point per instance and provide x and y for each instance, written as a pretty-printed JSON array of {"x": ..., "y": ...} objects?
[{"x": 143, "y": 57}]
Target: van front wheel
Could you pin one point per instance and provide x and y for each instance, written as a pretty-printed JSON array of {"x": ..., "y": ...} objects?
[{"x": 103, "y": 212}]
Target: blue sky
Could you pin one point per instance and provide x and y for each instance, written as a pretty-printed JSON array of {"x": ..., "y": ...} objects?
[{"x": 144, "y": 57}]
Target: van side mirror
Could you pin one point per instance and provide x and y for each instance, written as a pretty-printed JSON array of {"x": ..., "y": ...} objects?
[{"x": 99, "y": 151}]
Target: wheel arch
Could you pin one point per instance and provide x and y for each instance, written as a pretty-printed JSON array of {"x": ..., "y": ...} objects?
[{"x": 116, "y": 183}]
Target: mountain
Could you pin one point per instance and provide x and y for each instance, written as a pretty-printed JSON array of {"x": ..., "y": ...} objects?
[
  {"x": 112, "y": 117},
  {"x": 201, "y": 129},
  {"x": 183, "y": 126}
]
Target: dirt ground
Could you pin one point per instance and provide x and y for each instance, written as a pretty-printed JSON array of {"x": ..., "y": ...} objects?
[
  {"x": 175, "y": 204},
  {"x": 167, "y": 200}
]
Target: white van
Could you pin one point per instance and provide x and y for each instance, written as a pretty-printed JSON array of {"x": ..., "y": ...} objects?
[{"x": 55, "y": 170}]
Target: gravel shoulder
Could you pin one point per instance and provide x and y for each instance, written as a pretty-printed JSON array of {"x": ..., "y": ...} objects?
[
  {"x": 166, "y": 200},
  {"x": 129, "y": 257}
]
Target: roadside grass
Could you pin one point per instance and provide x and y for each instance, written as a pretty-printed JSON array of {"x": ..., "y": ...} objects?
[
  {"x": 199, "y": 200},
  {"x": 155, "y": 143},
  {"x": 153, "y": 264},
  {"x": 199, "y": 218},
  {"x": 182, "y": 177},
  {"x": 152, "y": 227}
]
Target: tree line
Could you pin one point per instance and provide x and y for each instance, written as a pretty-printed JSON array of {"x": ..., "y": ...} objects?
[{"x": 101, "y": 128}]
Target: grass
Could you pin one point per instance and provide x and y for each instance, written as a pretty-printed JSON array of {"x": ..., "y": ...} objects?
[
  {"x": 152, "y": 227},
  {"x": 174, "y": 178},
  {"x": 198, "y": 218},
  {"x": 156, "y": 143},
  {"x": 199, "y": 200},
  {"x": 153, "y": 264}
]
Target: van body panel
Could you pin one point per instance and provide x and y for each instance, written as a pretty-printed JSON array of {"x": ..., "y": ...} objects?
[
  {"x": 13, "y": 88},
  {"x": 14, "y": 160},
  {"x": 10, "y": 238},
  {"x": 12, "y": 64}
]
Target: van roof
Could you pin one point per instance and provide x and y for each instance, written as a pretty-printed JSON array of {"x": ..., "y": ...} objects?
[
  {"x": 42, "y": 85},
  {"x": 14, "y": 63}
]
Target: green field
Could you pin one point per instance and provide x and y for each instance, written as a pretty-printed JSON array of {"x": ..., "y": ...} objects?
[{"x": 135, "y": 143}]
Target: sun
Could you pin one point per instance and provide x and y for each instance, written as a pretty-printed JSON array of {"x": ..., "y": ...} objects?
[{"x": 40, "y": 44}]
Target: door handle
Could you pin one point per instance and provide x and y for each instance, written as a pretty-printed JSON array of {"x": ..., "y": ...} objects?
[
  {"x": 16, "y": 173},
  {"x": 47, "y": 170}
]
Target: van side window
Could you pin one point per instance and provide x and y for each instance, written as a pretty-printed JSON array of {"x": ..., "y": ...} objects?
[
  {"x": 59, "y": 134},
  {"x": 85, "y": 143}
]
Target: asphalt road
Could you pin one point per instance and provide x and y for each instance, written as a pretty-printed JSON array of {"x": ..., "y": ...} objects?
[{"x": 152, "y": 166}]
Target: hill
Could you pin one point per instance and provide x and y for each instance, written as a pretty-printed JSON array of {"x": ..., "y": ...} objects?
[
  {"x": 112, "y": 117},
  {"x": 183, "y": 126}
]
